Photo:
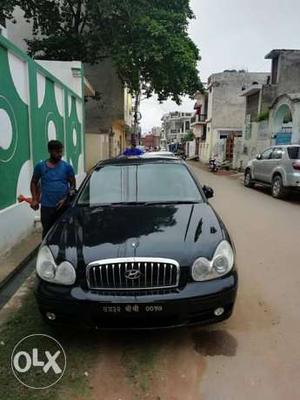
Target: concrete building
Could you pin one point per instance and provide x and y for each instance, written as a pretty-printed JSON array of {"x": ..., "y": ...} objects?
[
  {"x": 109, "y": 118},
  {"x": 148, "y": 141},
  {"x": 152, "y": 139},
  {"x": 156, "y": 132},
  {"x": 272, "y": 114},
  {"x": 176, "y": 125},
  {"x": 163, "y": 140},
  {"x": 224, "y": 113},
  {"x": 199, "y": 122}
]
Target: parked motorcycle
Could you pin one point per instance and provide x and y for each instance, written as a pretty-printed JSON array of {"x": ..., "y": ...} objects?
[{"x": 213, "y": 165}]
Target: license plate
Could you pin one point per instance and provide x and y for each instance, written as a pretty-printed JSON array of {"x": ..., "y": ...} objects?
[{"x": 133, "y": 308}]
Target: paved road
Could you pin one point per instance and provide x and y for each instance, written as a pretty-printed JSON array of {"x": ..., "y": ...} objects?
[{"x": 256, "y": 354}]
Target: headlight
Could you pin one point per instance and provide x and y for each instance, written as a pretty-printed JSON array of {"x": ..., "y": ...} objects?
[
  {"x": 221, "y": 263},
  {"x": 65, "y": 273},
  {"x": 201, "y": 269},
  {"x": 46, "y": 268}
]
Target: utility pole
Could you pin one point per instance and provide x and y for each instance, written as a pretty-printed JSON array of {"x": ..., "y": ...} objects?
[{"x": 137, "y": 118}]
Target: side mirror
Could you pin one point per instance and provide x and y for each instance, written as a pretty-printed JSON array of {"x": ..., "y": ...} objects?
[
  {"x": 258, "y": 157},
  {"x": 208, "y": 191}
]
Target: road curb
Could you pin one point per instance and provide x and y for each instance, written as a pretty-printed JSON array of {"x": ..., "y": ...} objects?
[{"x": 19, "y": 267}]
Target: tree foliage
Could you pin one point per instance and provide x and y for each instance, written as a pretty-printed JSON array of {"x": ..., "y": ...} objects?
[
  {"x": 147, "y": 40},
  {"x": 188, "y": 137},
  {"x": 6, "y": 9}
]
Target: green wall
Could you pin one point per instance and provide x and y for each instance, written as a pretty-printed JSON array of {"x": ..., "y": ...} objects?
[{"x": 34, "y": 107}]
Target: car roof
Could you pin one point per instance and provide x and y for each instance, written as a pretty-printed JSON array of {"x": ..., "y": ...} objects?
[{"x": 123, "y": 160}]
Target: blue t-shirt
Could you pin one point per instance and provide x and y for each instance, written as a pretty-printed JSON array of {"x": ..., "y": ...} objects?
[{"x": 54, "y": 181}]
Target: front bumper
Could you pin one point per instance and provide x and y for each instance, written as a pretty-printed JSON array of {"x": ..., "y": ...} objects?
[{"x": 193, "y": 305}]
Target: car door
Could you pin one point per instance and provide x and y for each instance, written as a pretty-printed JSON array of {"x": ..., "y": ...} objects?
[
  {"x": 261, "y": 165},
  {"x": 275, "y": 161}
]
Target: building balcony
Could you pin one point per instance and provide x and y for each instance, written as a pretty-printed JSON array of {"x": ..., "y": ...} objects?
[{"x": 198, "y": 119}]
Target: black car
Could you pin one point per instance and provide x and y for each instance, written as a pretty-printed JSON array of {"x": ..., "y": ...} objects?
[{"x": 140, "y": 247}]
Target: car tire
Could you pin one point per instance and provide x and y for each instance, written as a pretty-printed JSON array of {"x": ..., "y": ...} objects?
[
  {"x": 248, "y": 181},
  {"x": 278, "y": 190}
]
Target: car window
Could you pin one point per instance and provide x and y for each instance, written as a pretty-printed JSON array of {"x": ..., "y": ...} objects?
[
  {"x": 277, "y": 153},
  {"x": 266, "y": 155},
  {"x": 157, "y": 182},
  {"x": 104, "y": 186},
  {"x": 294, "y": 152},
  {"x": 166, "y": 182}
]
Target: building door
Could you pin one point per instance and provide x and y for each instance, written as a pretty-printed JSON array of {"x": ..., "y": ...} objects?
[{"x": 229, "y": 147}]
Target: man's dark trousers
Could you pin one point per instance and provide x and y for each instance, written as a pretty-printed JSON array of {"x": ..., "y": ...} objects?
[{"x": 48, "y": 216}]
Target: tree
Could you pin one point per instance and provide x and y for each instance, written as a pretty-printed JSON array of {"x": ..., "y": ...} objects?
[
  {"x": 60, "y": 29},
  {"x": 146, "y": 39},
  {"x": 150, "y": 45},
  {"x": 188, "y": 137},
  {"x": 6, "y": 10}
]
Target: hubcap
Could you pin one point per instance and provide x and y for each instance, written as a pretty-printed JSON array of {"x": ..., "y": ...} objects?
[
  {"x": 276, "y": 187},
  {"x": 247, "y": 178}
]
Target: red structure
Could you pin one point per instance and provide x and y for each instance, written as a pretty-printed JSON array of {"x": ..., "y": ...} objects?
[{"x": 151, "y": 141}]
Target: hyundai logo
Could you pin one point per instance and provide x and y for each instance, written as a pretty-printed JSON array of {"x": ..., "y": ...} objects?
[
  {"x": 135, "y": 243},
  {"x": 133, "y": 274}
]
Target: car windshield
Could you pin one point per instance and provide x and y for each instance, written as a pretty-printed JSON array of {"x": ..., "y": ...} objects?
[
  {"x": 145, "y": 183},
  {"x": 294, "y": 152}
]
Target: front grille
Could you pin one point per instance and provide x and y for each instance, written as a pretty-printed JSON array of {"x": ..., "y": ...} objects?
[{"x": 133, "y": 274}]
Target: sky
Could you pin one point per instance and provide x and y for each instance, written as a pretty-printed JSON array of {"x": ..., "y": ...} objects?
[{"x": 233, "y": 34}]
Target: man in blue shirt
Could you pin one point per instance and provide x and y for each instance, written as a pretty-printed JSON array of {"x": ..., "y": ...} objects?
[
  {"x": 55, "y": 179},
  {"x": 133, "y": 151}
]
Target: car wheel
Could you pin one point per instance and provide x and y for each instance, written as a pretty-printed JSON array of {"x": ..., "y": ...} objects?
[
  {"x": 278, "y": 190},
  {"x": 248, "y": 181}
]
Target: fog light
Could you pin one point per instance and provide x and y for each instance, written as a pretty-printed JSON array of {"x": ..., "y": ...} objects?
[
  {"x": 219, "y": 311},
  {"x": 51, "y": 316}
]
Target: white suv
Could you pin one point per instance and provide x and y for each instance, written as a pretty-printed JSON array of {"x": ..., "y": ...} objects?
[{"x": 279, "y": 167}]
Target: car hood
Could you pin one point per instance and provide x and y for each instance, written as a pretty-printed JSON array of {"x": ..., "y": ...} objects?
[{"x": 180, "y": 232}]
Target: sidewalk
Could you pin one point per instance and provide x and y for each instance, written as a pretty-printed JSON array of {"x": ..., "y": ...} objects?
[{"x": 12, "y": 261}]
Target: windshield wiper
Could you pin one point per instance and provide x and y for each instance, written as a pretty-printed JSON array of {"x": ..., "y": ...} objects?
[
  {"x": 151, "y": 203},
  {"x": 139, "y": 203},
  {"x": 120, "y": 204},
  {"x": 129, "y": 203}
]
